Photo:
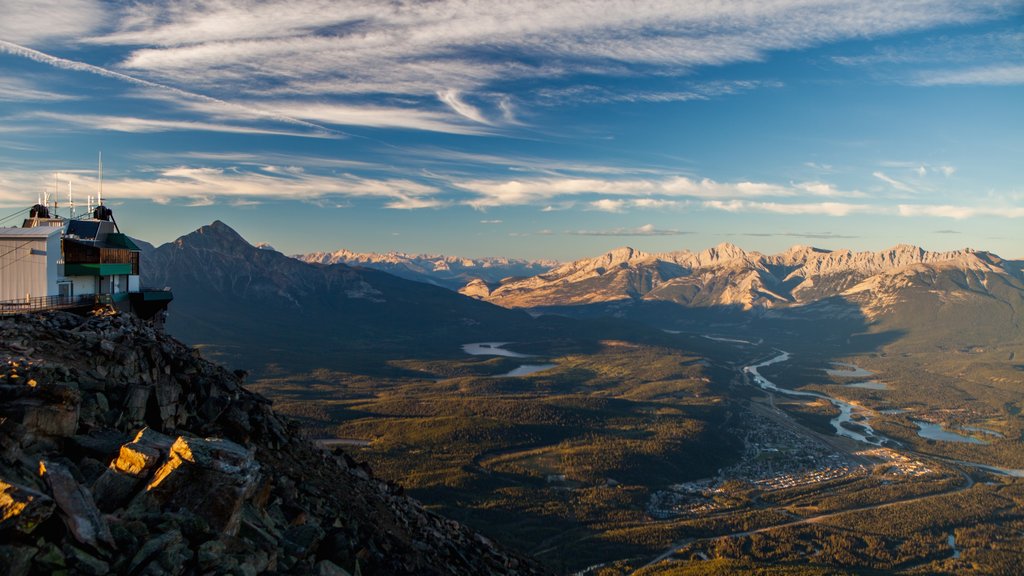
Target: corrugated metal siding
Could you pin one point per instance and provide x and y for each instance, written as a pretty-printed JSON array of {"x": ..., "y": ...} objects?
[{"x": 24, "y": 269}]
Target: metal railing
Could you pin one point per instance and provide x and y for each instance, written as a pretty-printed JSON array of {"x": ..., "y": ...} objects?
[{"x": 43, "y": 303}]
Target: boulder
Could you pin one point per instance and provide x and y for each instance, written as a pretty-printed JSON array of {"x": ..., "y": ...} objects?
[
  {"x": 209, "y": 477},
  {"x": 76, "y": 505},
  {"x": 22, "y": 508}
]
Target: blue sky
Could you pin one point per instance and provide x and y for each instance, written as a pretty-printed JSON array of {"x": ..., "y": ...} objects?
[{"x": 525, "y": 128}]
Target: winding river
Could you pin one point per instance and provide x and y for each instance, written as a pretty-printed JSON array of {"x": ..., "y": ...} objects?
[{"x": 843, "y": 423}]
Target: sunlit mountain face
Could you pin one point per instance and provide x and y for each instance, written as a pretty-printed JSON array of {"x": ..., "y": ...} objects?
[{"x": 611, "y": 288}]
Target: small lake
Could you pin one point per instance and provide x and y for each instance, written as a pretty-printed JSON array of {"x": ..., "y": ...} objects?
[
  {"x": 527, "y": 369},
  {"x": 848, "y": 371},
  {"x": 933, "y": 431},
  {"x": 491, "y": 349}
]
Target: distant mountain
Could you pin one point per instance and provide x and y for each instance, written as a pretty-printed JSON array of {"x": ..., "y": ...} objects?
[
  {"x": 259, "y": 306},
  {"x": 448, "y": 271},
  {"x": 908, "y": 283}
]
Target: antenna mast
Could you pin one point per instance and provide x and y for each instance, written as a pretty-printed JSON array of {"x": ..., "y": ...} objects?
[{"x": 99, "y": 196}]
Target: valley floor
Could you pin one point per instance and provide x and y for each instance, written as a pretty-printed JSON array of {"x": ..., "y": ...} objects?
[{"x": 628, "y": 458}]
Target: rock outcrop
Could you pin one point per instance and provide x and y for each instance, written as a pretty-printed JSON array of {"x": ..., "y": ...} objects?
[{"x": 122, "y": 451}]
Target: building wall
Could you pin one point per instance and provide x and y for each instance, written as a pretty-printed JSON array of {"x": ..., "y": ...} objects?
[
  {"x": 82, "y": 284},
  {"x": 28, "y": 266}
]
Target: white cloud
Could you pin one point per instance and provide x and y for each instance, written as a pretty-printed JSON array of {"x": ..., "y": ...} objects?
[
  {"x": 608, "y": 205},
  {"x": 491, "y": 221},
  {"x": 642, "y": 192},
  {"x": 453, "y": 99},
  {"x": 997, "y": 75},
  {"x": 31, "y": 21},
  {"x": 645, "y": 230},
  {"x": 822, "y": 208},
  {"x": 424, "y": 47},
  {"x": 15, "y": 89},
  {"x": 960, "y": 212},
  {"x": 65, "y": 64},
  {"x": 903, "y": 187},
  {"x": 203, "y": 185},
  {"x": 137, "y": 125}
]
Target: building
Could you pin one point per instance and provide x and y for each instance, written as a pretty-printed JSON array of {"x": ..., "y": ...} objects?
[{"x": 55, "y": 263}]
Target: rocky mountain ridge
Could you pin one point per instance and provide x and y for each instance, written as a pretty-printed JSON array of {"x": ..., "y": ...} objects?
[
  {"x": 124, "y": 452},
  {"x": 449, "y": 271},
  {"x": 727, "y": 276}
]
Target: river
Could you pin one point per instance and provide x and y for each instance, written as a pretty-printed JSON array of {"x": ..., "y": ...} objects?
[{"x": 843, "y": 423}]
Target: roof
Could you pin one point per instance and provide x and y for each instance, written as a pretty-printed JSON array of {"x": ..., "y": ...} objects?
[
  {"x": 118, "y": 240},
  {"x": 35, "y": 232},
  {"x": 84, "y": 229}
]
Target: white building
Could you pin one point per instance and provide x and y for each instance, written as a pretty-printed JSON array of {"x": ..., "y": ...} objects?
[{"x": 56, "y": 263}]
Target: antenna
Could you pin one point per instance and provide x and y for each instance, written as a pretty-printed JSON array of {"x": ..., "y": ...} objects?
[
  {"x": 71, "y": 201},
  {"x": 99, "y": 196},
  {"x": 56, "y": 192}
]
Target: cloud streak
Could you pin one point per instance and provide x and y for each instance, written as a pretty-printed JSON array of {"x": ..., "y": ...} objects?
[
  {"x": 645, "y": 230},
  {"x": 65, "y": 64},
  {"x": 442, "y": 48}
]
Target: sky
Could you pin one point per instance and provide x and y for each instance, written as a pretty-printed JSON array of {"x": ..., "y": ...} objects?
[{"x": 523, "y": 128}]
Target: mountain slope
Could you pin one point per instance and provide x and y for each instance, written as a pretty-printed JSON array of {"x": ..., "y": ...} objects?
[
  {"x": 126, "y": 453},
  {"x": 261, "y": 306}
]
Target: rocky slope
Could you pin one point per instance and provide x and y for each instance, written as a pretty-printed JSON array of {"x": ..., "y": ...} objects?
[
  {"x": 448, "y": 271},
  {"x": 122, "y": 451},
  {"x": 726, "y": 276}
]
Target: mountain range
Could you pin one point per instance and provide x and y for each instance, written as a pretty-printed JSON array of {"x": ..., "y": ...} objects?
[
  {"x": 448, "y": 271},
  {"x": 965, "y": 291}
]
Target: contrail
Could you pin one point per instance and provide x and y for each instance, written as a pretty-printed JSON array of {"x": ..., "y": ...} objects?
[{"x": 64, "y": 63}]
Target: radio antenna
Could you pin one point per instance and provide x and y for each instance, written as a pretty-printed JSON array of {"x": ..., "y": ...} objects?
[{"x": 99, "y": 195}]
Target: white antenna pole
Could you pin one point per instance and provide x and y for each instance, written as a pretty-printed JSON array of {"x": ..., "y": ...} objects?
[
  {"x": 71, "y": 201},
  {"x": 99, "y": 196},
  {"x": 56, "y": 192}
]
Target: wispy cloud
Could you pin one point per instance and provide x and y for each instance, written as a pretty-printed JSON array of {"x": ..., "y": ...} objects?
[
  {"x": 66, "y": 64},
  {"x": 198, "y": 186},
  {"x": 995, "y": 75},
  {"x": 645, "y": 230},
  {"x": 960, "y": 212},
  {"x": 426, "y": 47},
  {"x": 652, "y": 193},
  {"x": 822, "y": 208},
  {"x": 901, "y": 186},
  {"x": 453, "y": 99},
  {"x": 810, "y": 235},
  {"x": 30, "y": 21},
  {"x": 134, "y": 124},
  {"x": 15, "y": 89}
]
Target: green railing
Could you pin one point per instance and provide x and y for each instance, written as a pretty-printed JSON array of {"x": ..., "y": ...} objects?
[{"x": 43, "y": 303}]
